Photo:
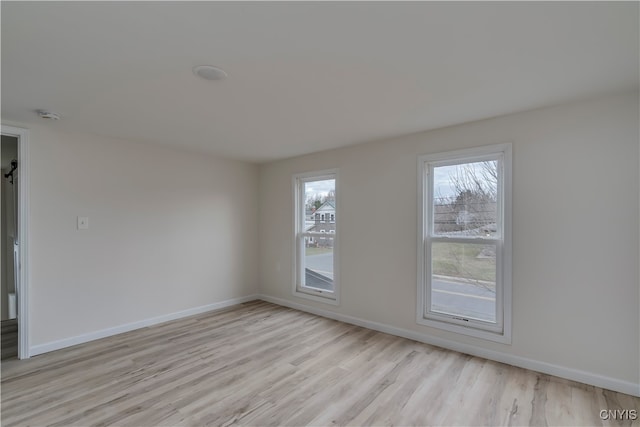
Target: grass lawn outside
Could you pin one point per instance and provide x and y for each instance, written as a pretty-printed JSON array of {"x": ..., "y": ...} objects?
[
  {"x": 464, "y": 260},
  {"x": 317, "y": 251}
]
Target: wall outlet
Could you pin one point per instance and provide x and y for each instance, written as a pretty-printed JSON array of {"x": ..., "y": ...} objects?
[{"x": 83, "y": 222}]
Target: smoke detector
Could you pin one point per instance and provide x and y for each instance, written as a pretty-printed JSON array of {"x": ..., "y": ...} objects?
[
  {"x": 48, "y": 115},
  {"x": 209, "y": 72}
]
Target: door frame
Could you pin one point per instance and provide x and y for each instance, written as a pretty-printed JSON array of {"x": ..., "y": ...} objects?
[{"x": 22, "y": 287}]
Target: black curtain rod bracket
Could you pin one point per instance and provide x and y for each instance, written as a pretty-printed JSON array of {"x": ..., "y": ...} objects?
[{"x": 14, "y": 166}]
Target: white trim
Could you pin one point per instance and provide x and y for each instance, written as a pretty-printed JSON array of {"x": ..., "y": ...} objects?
[
  {"x": 103, "y": 333},
  {"x": 501, "y": 332},
  {"x": 452, "y": 157},
  {"x": 316, "y": 297},
  {"x": 22, "y": 287},
  {"x": 510, "y": 359},
  {"x": 326, "y": 297}
]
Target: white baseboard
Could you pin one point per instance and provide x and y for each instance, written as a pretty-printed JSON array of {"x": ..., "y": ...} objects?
[
  {"x": 510, "y": 359},
  {"x": 79, "y": 339}
]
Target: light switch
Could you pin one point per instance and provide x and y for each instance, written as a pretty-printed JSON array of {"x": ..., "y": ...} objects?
[{"x": 83, "y": 222}]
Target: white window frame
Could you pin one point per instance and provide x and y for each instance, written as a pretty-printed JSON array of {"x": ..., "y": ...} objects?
[
  {"x": 299, "y": 234},
  {"x": 501, "y": 331}
]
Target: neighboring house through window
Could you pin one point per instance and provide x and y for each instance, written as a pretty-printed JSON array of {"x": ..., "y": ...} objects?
[{"x": 315, "y": 247}]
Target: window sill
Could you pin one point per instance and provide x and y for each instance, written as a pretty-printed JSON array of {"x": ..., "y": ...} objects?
[
  {"x": 503, "y": 338},
  {"x": 328, "y": 299}
]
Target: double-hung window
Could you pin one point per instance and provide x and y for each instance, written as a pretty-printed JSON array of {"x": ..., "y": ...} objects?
[
  {"x": 464, "y": 244},
  {"x": 316, "y": 236}
]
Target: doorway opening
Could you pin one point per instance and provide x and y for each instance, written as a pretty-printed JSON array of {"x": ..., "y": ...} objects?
[
  {"x": 13, "y": 244},
  {"x": 9, "y": 241}
]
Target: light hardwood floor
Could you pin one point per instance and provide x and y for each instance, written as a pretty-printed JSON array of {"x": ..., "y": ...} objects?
[{"x": 261, "y": 364}]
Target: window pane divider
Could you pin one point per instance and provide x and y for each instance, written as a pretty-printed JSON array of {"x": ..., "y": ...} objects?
[
  {"x": 316, "y": 234},
  {"x": 478, "y": 240}
]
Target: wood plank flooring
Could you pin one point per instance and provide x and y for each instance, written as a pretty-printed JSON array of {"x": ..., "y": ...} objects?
[
  {"x": 9, "y": 339},
  {"x": 262, "y": 364}
]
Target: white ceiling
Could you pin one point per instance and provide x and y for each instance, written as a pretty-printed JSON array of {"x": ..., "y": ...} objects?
[{"x": 304, "y": 77}]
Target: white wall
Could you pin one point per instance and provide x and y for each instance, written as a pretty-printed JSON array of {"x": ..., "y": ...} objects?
[
  {"x": 575, "y": 236},
  {"x": 168, "y": 231}
]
